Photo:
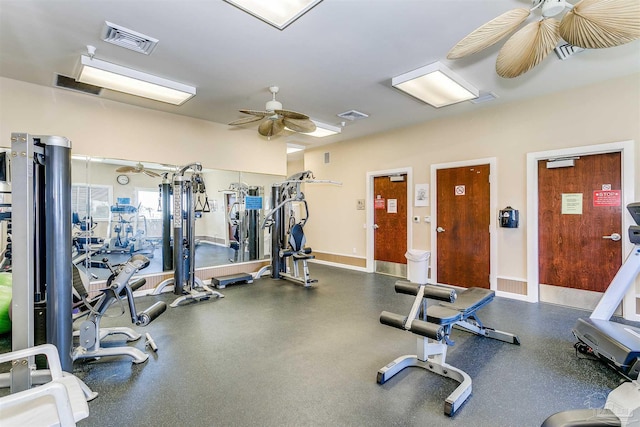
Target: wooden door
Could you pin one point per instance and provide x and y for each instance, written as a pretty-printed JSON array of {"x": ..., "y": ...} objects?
[
  {"x": 463, "y": 219},
  {"x": 390, "y": 219},
  {"x": 577, "y": 207}
]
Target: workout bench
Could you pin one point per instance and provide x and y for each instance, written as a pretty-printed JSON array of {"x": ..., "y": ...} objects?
[{"x": 434, "y": 324}]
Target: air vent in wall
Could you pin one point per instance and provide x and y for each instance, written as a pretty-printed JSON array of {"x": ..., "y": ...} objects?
[
  {"x": 123, "y": 37},
  {"x": 69, "y": 83}
]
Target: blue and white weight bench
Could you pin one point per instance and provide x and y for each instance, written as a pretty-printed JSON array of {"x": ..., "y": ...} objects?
[{"x": 434, "y": 324}]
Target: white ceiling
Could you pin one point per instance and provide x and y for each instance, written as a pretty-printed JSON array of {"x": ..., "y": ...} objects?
[{"x": 339, "y": 56}]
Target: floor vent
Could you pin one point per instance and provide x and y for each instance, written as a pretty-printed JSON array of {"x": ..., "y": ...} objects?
[
  {"x": 129, "y": 39},
  {"x": 513, "y": 286},
  {"x": 65, "y": 82}
]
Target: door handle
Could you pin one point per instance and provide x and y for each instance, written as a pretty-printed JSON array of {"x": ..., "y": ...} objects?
[
  {"x": 376, "y": 226},
  {"x": 614, "y": 236},
  {"x": 439, "y": 229}
]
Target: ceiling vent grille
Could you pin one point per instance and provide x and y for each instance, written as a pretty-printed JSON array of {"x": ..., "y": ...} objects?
[
  {"x": 565, "y": 50},
  {"x": 484, "y": 97},
  {"x": 353, "y": 115},
  {"x": 129, "y": 39},
  {"x": 65, "y": 82}
]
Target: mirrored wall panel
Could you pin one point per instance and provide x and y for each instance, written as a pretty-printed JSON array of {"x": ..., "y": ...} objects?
[{"x": 119, "y": 209}]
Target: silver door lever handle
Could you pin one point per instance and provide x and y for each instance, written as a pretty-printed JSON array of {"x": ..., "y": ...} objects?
[
  {"x": 376, "y": 226},
  {"x": 614, "y": 236},
  {"x": 439, "y": 229}
]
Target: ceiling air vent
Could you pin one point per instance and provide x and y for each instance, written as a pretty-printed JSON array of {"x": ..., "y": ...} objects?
[
  {"x": 123, "y": 37},
  {"x": 69, "y": 83},
  {"x": 353, "y": 115},
  {"x": 484, "y": 97},
  {"x": 565, "y": 50}
]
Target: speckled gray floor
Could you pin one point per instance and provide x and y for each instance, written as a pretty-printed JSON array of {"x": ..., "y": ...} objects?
[{"x": 273, "y": 353}]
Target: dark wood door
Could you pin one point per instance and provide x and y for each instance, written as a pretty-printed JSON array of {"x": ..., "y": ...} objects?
[
  {"x": 577, "y": 207},
  {"x": 463, "y": 237},
  {"x": 390, "y": 219}
]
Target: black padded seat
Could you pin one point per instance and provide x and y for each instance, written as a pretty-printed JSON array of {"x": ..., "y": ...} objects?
[
  {"x": 442, "y": 315},
  {"x": 470, "y": 300}
]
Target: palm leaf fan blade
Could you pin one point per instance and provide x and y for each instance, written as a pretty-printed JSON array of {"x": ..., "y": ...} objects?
[
  {"x": 271, "y": 128},
  {"x": 297, "y": 125},
  {"x": 152, "y": 174},
  {"x": 594, "y": 24},
  {"x": 126, "y": 169},
  {"x": 527, "y": 48},
  {"x": 291, "y": 114},
  {"x": 489, "y": 33},
  {"x": 246, "y": 120}
]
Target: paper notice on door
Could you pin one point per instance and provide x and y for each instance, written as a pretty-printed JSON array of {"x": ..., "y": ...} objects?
[
  {"x": 392, "y": 206},
  {"x": 572, "y": 203}
]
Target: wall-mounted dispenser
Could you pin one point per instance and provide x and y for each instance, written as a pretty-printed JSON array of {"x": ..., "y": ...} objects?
[{"x": 509, "y": 217}]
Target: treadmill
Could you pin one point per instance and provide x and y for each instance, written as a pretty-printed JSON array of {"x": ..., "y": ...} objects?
[{"x": 616, "y": 344}]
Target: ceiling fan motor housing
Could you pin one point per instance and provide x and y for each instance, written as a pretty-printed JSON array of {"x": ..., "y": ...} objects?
[{"x": 273, "y": 105}]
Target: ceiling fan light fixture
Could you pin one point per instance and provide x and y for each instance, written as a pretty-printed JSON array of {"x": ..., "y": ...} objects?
[
  {"x": 279, "y": 13},
  {"x": 122, "y": 79},
  {"x": 553, "y": 7},
  {"x": 436, "y": 85}
]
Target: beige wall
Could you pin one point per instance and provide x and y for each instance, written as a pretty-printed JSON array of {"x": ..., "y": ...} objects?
[
  {"x": 103, "y": 128},
  {"x": 602, "y": 113}
]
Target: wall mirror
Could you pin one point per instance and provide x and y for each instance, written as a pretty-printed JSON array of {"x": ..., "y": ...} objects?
[{"x": 117, "y": 212}]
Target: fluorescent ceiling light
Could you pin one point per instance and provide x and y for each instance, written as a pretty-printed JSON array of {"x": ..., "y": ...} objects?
[
  {"x": 279, "y": 13},
  {"x": 436, "y": 85},
  {"x": 291, "y": 148},
  {"x": 323, "y": 129},
  {"x": 115, "y": 77}
]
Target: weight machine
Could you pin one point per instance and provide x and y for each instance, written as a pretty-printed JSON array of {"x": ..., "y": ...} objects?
[
  {"x": 243, "y": 217},
  {"x": 287, "y": 234},
  {"x": 185, "y": 210},
  {"x": 41, "y": 246},
  {"x": 118, "y": 290}
]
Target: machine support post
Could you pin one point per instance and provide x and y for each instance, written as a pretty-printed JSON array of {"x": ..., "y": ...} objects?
[
  {"x": 58, "y": 252},
  {"x": 41, "y": 206},
  {"x": 178, "y": 235},
  {"x": 167, "y": 256},
  {"x": 278, "y": 224}
]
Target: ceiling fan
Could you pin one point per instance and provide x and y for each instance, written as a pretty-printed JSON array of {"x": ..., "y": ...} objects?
[
  {"x": 276, "y": 119},
  {"x": 139, "y": 168},
  {"x": 588, "y": 24}
]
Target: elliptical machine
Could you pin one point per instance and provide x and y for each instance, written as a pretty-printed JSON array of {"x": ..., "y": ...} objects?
[{"x": 185, "y": 210}]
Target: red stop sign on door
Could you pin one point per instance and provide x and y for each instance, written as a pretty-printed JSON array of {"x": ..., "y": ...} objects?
[{"x": 606, "y": 198}]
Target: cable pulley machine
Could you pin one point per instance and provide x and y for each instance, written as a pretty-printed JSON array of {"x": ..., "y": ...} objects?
[{"x": 185, "y": 210}]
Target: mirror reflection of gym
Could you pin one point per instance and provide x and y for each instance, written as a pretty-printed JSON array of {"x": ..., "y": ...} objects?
[{"x": 115, "y": 217}]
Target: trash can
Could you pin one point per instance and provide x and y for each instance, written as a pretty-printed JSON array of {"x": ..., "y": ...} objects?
[{"x": 417, "y": 266}]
